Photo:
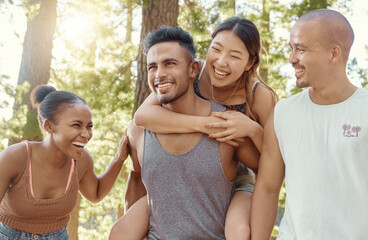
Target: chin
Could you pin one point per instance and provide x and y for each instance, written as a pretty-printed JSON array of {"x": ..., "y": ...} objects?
[
  {"x": 77, "y": 155},
  {"x": 301, "y": 84}
]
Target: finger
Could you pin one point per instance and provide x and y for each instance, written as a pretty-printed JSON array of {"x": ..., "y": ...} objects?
[
  {"x": 220, "y": 134},
  {"x": 224, "y": 115},
  {"x": 231, "y": 143},
  {"x": 124, "y": 139},
  {"x": 226, "y": 138},
  {"x": 239, "y": 139},
  {"x": 123, "y": 150}
]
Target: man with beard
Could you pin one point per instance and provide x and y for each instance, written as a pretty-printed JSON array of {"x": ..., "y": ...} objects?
[{"x": 187, "y": 177}]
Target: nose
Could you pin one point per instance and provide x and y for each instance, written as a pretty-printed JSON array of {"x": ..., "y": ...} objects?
[
  {"x": 293, "y": 58},
  {"x": 160, "y": 73},
  {"x": 222, "y": 60},
  {"x": 86, "y": 133}
]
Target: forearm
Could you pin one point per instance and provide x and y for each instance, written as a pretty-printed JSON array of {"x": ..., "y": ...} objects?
[
  {"x": 257, "y": 136},
  {"x": 161, "y": 120},
  {"x": 135, "y": 189},
  {"x": 248, "y": 154},
  {"x": 263, "y": 213},
  {"x": 107, "y": 179},
  {"x": 152, "y": 116}
]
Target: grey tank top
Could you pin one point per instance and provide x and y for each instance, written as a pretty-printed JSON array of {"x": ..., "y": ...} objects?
[{"x": 188, "y": 193}]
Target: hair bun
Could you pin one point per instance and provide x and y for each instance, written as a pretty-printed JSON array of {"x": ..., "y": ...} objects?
[{"x": 39, "y": 93}]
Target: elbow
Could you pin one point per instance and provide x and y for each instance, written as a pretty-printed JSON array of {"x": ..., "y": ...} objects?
[
  {"x": 139, "y": 118},
  {"x": 95, "y": 199}
]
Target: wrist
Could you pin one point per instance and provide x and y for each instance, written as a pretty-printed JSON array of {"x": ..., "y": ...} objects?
[
  {"x": 199, "y": 124},
  {"x": 257, "y": 130},
  {"x": 118, "y": 160}
]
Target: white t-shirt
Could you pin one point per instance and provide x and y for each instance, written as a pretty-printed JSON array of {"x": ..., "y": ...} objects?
[{"x": 325, "y": 151}]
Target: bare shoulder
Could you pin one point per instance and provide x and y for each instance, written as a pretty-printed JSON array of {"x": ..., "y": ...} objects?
[
  {"x": 14, "y": 154},
  {"x": 13, "y": 160},
  {"x": 263, "y": 93},
  {"x": 263, "y": 103},
  {"x": 135, "y": 133}
]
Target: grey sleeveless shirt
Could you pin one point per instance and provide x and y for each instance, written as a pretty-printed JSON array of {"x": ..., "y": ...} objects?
[{"x": 188, "y": 193}]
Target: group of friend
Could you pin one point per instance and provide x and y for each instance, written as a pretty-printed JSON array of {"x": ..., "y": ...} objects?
[{"x": 208, "y": 132}]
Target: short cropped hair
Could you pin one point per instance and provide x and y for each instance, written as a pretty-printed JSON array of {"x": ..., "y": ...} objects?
[
  {"x": 337, "y": 28},
  {"x": 170, "y": 34}
]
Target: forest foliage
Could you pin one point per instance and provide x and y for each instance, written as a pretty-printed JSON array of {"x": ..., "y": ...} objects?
[{"x": 98, "y": 61}]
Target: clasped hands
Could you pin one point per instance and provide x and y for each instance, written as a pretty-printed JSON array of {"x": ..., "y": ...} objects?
[{"x": 230, "y": 127}]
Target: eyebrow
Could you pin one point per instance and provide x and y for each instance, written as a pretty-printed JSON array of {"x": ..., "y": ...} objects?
[
  {"x": 298, "y": 45},
  {"x": 164, "y": 61},
  {"x": 232, "y": 50},
  {"x": 79, "y": 121}
]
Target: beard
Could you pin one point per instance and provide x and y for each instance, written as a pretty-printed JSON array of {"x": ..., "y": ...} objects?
[{"x": 169, "y": 98}]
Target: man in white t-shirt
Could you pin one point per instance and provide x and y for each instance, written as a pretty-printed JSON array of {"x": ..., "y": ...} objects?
[{"x": 317, "y": 140}]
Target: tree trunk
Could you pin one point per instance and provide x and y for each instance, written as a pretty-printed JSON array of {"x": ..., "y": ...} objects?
[
  {"x": 155, "y": 13},
  {"x": 265, "y": 26},
  {"x": 36, "y": 60}
]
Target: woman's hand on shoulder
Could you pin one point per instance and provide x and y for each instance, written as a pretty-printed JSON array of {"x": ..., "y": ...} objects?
[
  {"x": 123, "y": 150},
  {"x": 12, "y": 165}
]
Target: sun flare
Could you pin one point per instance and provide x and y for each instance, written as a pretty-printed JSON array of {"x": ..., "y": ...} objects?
[{"x": 75, "y": 27}]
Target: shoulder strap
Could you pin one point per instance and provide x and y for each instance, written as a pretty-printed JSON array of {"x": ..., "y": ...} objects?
[
  {"x": 29, "y": 165},
  {"x": 202, "y": 69},
  {"x": 254, "y": 87},
  {"x": 72, "y": 166}
]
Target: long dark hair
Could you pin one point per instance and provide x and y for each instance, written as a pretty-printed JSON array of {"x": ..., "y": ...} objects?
[{"x": 248, "y": 33}]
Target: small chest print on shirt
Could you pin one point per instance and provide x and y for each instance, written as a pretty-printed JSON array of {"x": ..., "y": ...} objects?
[{"x": 350, "y": 131}]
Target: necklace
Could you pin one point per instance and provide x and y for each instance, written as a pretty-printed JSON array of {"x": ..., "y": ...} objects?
[{"x": 227, "y": 99}]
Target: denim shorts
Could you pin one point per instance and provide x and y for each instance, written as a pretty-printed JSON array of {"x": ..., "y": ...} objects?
[
  {"x": 8, "y": 233},
  {"x": 244, "y": 179}
]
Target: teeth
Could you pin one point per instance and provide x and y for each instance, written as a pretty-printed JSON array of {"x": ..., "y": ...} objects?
[
  {"x": 79, "y": 144},
  {"x": 164, "y": 85},
  {"x": 221, "y": 73},
  {"x": 298, "y": 70}
]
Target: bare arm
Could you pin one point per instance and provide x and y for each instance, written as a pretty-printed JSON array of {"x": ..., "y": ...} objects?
[
  {"x": 12, "y": 164},
  {"x": 263, "y": 104},
  {"x": 266, "y": 192},
  {"x": 135, "y": 187},
  {"x": 134, "y": 224},
  {"x": 248, "y": 154},
  {"x": 152, "y": 116},
  {"x": 238, "y": 125},
  {"x": 96, "y": 188}
]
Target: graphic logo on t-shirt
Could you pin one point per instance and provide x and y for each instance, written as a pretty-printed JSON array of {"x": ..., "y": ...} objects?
[{"x": 350, "y": 131}]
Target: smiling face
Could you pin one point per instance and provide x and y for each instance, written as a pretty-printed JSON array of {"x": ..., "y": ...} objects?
[
  {"x": 310, "y": 54},
  {"x": 169, "y": 67},
  {"x": 71, "y": 129},
  {"x": 227, "y": 59}
]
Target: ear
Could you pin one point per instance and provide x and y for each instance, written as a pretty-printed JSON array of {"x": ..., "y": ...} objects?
[
  {"x": 335, "y": 53},
  {"x": 47, "y": 126},
  {"x": 193, "y": 69},
  {"x": 250, "y": 64}
]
